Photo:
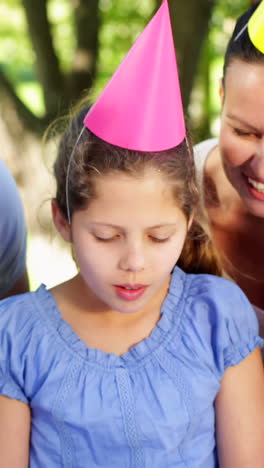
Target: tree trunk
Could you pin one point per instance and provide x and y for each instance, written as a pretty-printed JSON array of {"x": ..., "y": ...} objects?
[
  {"x": 48, "y": 69},
  {"x": 190, "y": 22},
  {"x": 59, "y": 91},
  {"x": 87, "y": 23}
]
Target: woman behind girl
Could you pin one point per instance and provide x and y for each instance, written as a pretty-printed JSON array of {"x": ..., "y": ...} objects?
[
  {"x": 231, "y": 169},
  {"x": 133, "y": 362}
]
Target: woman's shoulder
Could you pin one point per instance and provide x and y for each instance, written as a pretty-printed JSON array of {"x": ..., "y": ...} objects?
[
  {"x": 201, "y": 159},
  {"x": 201, "y": 152}
]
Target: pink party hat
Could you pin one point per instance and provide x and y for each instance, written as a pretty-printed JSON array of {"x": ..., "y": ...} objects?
[{"x": 141, "y": 107}]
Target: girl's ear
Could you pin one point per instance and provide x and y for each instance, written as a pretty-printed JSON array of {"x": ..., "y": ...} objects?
[
  {"x": 190, "y": 220},
  {"x": 61, "y": 223},
  {"x": 221, "y": 91}
]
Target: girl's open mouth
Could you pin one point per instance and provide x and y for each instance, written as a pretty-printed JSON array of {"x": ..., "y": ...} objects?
[{"x": 130, "y": 292}]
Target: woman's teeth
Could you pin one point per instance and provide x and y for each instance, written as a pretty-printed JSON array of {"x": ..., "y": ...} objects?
[{"x": 257, "y": 185}]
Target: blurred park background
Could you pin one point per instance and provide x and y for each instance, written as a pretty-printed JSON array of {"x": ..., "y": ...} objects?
[{"x": 52, "y": 52}]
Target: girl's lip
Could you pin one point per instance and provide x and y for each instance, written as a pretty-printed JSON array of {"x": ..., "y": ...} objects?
[{"x": 130, "y": 292}]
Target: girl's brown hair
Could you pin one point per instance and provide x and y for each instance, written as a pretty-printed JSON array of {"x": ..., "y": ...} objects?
[{"x": 81, "y": 164}]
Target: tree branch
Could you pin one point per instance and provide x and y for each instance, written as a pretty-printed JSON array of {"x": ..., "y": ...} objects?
[
  {"x": 29, "y": 120},
  {"x": 190, "y": 21}
]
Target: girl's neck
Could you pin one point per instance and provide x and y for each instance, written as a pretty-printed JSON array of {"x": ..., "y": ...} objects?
[{"x": 98, "y": 326}]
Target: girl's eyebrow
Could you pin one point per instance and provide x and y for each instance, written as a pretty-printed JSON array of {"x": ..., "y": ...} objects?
[
  {"x": 242, "y": 122},
  {"x": 114, "y": 226}
]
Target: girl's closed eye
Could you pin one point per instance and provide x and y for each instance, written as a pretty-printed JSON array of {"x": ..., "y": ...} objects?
[
  {"x": 159, "y": 239},
  {"x": 161, "y": 235},
  {"x": 106, "y": 238},
  {"x": 117, "y": 237}
]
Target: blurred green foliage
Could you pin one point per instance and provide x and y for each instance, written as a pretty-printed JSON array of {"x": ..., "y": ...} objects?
[
  {"x": 205, "y": 102},
  {"x": 121, "y": 23}
]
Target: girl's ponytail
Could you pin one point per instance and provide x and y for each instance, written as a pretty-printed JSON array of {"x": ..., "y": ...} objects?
[{"x": 199, "y": 254}]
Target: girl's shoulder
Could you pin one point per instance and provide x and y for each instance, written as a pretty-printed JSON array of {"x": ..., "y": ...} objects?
[
  {"x": 217, "y": 318},
  {"x": 26, "y": 320},
  {"x": 202, "y": 286},
  {"x": 30, "y": 348},
  {"x": 222, "y": 299},
  {"x": 24, "y": 309}
]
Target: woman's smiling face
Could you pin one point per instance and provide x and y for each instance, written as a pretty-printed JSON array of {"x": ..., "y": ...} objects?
[
  {"x": 128, "y": 239},
  {"x": 242, "y": 132}
]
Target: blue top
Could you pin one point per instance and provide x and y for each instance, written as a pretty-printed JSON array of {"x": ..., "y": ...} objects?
[
  {"x": 13, "y": 233},
  {"x": 153, "y": 406}
]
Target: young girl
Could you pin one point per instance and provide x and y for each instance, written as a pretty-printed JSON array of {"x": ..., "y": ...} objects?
[{"x": 133, "y": 362}]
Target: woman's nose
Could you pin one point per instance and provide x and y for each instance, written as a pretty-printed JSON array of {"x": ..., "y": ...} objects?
[
  {"x": 257, "y": 162},
  {"x": 260, "y": 148}
]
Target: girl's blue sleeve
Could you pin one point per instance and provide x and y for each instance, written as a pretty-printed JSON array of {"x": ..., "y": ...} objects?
[{"x": 223, "y": 326}]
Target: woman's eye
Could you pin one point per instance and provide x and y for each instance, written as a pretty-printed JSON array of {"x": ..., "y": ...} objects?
[
  {"x": 241, "y": 132},
  {"x": 244, "y": 133}
]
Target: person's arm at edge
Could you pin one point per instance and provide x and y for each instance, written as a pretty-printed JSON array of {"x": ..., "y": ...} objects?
[
  {"x": 20, "y": 286},
  {"x": 14, "y": 433},
  {"x": 240, "y": 415}
]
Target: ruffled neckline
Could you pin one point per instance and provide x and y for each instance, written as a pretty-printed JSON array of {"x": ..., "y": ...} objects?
[{"x": 138, "y": 354}]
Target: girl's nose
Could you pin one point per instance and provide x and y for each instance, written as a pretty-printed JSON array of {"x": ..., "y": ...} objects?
[{"x": 133, "y": 259}]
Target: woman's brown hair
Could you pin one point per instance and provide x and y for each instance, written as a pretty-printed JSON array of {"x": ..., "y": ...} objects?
[{"x": 240, "y": 47}]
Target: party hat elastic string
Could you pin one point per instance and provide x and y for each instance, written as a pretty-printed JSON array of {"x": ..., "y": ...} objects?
[
  {"x": 68, "y": 175},
  {"x": 255, "y": 27},
  {"x": 241, "y": 32}
]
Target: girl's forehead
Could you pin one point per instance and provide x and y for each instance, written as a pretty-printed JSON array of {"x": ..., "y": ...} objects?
[
  {"x": 146, "y": 177},
  {"x": 133, "y": 195}
]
